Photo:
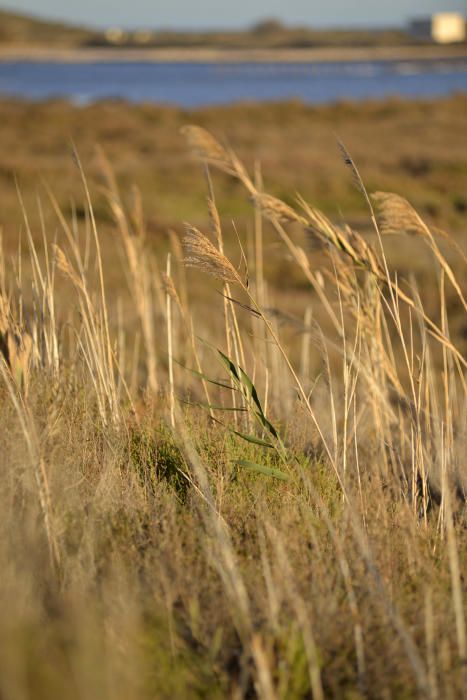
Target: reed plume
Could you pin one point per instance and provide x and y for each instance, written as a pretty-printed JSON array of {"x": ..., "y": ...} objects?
[{"x": 203, "y": 255}]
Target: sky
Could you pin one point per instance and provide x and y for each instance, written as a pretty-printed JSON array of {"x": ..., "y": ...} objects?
[{"x": 186, "y": 14}]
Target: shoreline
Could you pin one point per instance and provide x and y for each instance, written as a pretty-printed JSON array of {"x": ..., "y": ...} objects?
[{"x": 214, "y": 55}]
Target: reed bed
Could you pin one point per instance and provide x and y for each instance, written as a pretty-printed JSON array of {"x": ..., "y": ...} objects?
[{"x": 220, "y": 498}]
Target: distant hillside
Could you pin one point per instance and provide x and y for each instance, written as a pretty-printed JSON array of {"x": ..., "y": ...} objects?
[
  {"x": 22, "y": 29},
  {"x": 17, "y": 29},
  {"x": 268, "y": 34}
]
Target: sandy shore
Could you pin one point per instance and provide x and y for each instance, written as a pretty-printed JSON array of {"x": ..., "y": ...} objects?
[{"x": 212, "y": 55}]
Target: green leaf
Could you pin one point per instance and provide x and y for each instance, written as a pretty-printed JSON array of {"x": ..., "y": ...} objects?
[
  {"x": 246, "y": 381},
  {"x": 269, "y": 426},
  {"x": 203, "y": 376},
  {"x": 250, "y": 387},
  {"x": 253, "y": 439},
  {"x": 241, "y": 378},
  {"x": 261, "y": 469},
  {"x": 213, "y": 407},
  {"x": 229, "y": 365}
]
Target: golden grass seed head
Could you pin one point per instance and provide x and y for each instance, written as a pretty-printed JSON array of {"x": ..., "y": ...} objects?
[
  {"x": 206, "y": 147},
  {"x": 275, "y": 209},
  {"x": 203, "y": 255},
  {"x": 397, "y": 215}
]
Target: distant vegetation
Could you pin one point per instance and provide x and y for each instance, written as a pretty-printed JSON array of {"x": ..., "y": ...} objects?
[
  {"x": 267, "y": 34},
  {"x": 21, "y": 29},
  {"x": 397, "y": 146}
]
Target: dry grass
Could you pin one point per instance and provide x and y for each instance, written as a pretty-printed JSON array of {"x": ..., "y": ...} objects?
[
  {"x": 397, "y": 148},
  {"x": 206, "y": 495}
]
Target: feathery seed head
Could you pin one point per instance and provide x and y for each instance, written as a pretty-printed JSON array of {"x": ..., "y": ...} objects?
[
  {"x": 276, "y": 209},
  {"x": 203, "y": 255},
  {"x": 396, "y": 215},
  {"x": 206, "y": 147}
]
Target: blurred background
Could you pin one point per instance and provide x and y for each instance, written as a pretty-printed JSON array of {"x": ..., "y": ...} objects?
[
  {"x": 279, "y": 83},
  {"x": 176, "y": 54}
]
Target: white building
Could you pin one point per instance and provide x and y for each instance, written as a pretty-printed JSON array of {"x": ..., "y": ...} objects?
[{"x": 444, "y": 28}]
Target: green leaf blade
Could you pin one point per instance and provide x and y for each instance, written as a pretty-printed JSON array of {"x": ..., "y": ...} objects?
[
  {"x": 262, "y": 469},
  {"x": 254, "y": 440}
]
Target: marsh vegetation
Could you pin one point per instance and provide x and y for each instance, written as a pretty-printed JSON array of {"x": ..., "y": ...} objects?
[{"x": 233, "y": 454}]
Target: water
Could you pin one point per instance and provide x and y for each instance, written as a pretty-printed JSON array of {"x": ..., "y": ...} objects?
[{"x": 200, "y": 84}]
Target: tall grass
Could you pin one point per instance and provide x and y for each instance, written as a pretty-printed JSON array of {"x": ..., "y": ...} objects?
[{"x": 218, "y": 498}]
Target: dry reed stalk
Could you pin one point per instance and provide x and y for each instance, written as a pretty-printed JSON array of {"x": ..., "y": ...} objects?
[
  {"x": 349, "y": 379},
  {"x": 94, "y": 342},
  {"x": 259, "y": 251},
  {"x": 216, "y": 232},
  {"x": 107, "y": 347},
  {"x": 50, "y": 333},
  {"x": 232, "y": 329},
  {"x": 44, "y": 331},
  {"x": 169, "y": 299},
  {"x": 178, "y": 255},
  {"x": 305, "y": 364},
  {"x": 170, "y": 290},
  {"x": 377, "y": 366},
  {"x": 136, "y": 257},
  {"x": 303, "y": 262},
  {"x": 96, "y": 347},
  {"x": 262, "y": 348}
]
